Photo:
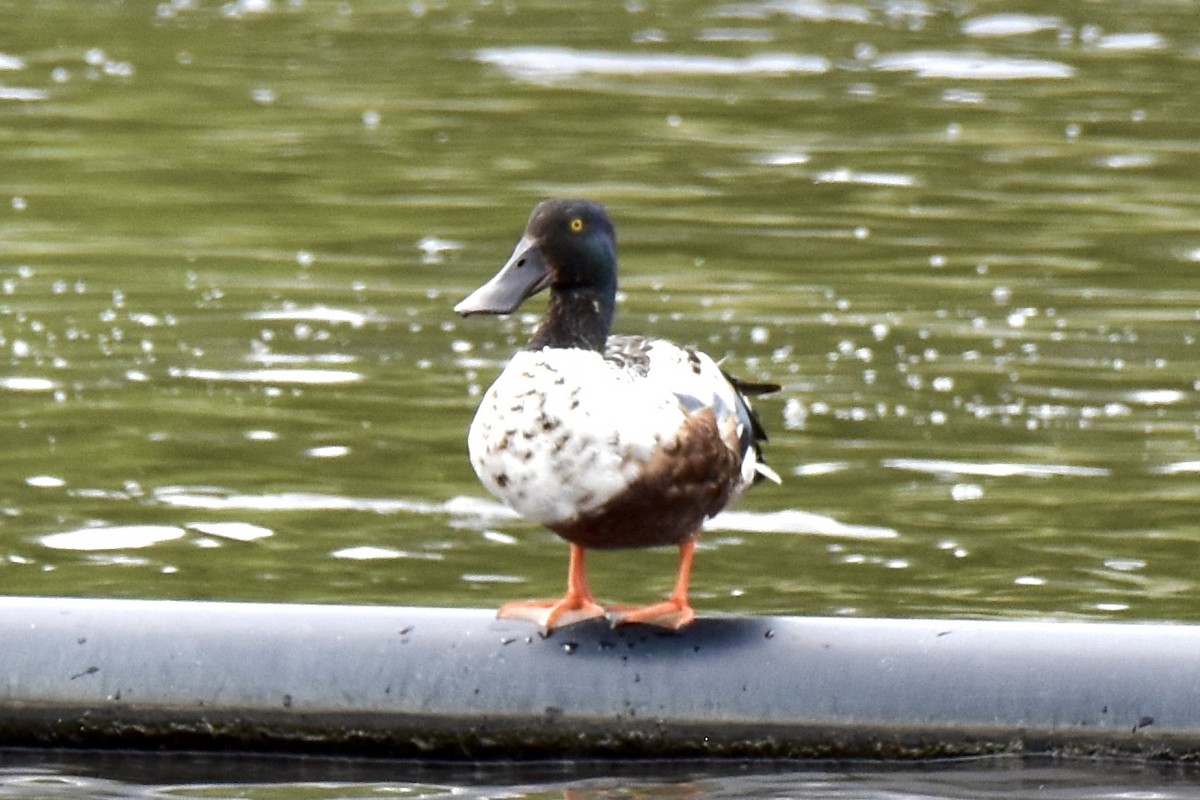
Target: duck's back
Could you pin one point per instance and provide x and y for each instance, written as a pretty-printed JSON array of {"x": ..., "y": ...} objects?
[{"x": 632, "y": 447}]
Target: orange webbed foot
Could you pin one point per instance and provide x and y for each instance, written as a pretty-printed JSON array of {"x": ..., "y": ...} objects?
[
  {"x": 673, "y": 613},
  {"x": 577, "y": 605},
  {"x": 551, "y": 614},
  {"x": 670, "y": 614}
]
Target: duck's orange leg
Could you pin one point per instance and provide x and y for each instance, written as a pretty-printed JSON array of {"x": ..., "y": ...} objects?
[
  {"x": 576, "y": 605},
  {"x": 675, "y": 611}
]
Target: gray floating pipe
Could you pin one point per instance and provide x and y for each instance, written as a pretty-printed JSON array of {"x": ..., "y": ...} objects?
[{"x": 456, "y": 683}]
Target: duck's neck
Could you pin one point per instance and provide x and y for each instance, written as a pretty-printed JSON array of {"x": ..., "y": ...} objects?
[{"x": 576, "y": 318}]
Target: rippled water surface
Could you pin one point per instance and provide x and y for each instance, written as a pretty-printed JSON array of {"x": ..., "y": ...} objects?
[
  {"x": 58, "y": 777},
  {"x": 964, "y": 238}
]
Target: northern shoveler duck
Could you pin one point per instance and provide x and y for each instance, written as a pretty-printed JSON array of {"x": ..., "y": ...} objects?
[{"x": 609, "y": 441}]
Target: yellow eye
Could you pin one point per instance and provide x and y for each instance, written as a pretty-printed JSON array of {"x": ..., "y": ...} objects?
[{"x": 576, "y": 225}]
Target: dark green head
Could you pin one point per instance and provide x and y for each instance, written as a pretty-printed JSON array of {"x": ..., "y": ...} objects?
[{"x": 569, "y": 246}]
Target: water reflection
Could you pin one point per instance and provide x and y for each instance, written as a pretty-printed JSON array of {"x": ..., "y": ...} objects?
[
  {"x": 166, "y": 778},
  {"x": 549, "y": 64}
]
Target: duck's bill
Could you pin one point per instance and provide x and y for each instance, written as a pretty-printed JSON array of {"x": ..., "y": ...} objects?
[{"x": 525, "y": 274}]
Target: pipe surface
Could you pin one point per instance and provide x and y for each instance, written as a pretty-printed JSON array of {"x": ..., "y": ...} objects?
[{"x": 457, "y": 683}]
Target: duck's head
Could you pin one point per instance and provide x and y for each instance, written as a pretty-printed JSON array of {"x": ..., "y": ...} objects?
[{"x": 569, "y": 247}]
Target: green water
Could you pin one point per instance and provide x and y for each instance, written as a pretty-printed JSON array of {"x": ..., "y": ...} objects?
[{"x": 967, "y": 244}]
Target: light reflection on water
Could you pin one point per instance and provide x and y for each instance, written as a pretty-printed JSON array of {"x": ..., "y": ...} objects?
[{"x": 165, "y": 778}]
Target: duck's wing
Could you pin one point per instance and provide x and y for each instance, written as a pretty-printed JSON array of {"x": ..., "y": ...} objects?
[{"x": 698, "y": 383}]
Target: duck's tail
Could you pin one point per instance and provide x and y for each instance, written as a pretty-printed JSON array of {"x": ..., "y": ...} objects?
[{"x": 757, "y": 433}]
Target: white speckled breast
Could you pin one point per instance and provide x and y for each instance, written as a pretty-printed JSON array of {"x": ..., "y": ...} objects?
[{"x": 563, "y": 431}]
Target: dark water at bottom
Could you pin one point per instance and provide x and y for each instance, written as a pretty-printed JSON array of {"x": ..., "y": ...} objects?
[{"x": 26, "y": 775}]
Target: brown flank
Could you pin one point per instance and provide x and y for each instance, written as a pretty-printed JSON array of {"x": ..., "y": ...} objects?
[{"x": 687, "y": 481}]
